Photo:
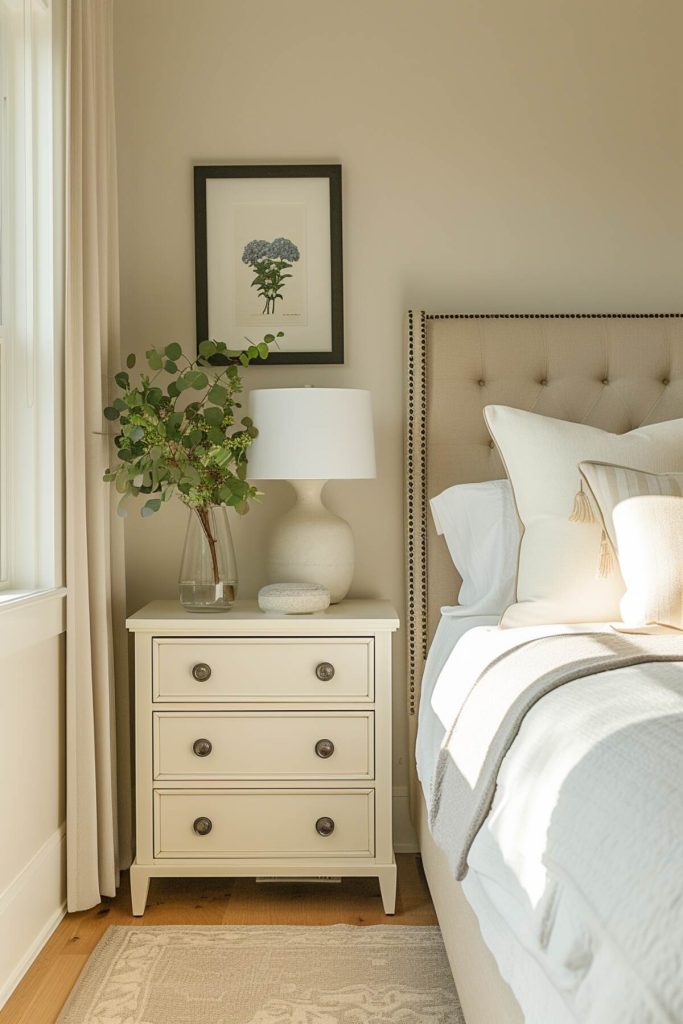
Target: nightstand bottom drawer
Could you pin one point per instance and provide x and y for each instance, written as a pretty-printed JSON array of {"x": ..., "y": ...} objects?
[{"x": 264, "y": 823}]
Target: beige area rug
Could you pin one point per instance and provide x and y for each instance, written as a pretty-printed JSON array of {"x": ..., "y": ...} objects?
[{"x": 346, "y": 974}]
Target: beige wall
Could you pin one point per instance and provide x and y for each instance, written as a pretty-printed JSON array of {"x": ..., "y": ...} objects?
[{"x": 497, "y": 156}]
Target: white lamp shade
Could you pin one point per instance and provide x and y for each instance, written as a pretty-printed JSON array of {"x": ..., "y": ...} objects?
[{"x": 312, "y": 434}]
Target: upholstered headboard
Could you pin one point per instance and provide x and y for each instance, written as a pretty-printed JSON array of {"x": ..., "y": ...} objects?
[{"x": 609, "y": 370}]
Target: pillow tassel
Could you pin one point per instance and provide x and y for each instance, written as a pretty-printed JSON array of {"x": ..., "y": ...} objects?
[
  {"x": 606, "y": 566},
  {"x": 583, "y": 510}
]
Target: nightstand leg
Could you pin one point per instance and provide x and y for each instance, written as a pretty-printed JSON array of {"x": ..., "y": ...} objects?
[
  {"x": 387, "y": 887},
  {"x": 139, "y": 888}
]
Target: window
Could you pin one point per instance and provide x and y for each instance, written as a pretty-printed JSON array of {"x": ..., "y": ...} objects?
[{"x": 29, "y": 438}]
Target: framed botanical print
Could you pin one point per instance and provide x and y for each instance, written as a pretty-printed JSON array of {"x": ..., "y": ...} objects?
[{"x": 268, "y": 259}]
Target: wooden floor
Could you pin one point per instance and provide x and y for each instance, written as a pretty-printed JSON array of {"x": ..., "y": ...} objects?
[{"x": 41, "y": 994}]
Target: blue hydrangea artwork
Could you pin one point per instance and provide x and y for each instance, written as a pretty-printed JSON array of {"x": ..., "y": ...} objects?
[{"x": 269, "y": 262}]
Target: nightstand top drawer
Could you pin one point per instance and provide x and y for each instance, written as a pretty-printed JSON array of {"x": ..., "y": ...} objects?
[{"x": 276, "y": 669}]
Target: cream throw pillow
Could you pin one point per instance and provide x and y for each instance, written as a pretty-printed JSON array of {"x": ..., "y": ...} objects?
[
  {"x": 557, "y": 579},
  {"x": 642, "y": 514}
]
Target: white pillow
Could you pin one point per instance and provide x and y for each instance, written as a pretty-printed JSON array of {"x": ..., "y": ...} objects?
[
  {"x": 481, "y": 530},
  {"x": 649, "y": 533},
  {"x": 556, "y": 578}
]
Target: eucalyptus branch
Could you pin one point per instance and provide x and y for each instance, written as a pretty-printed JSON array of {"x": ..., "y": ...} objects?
[{"x": 194, "y": 451}]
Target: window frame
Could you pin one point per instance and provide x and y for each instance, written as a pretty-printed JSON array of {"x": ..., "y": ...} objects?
[{"x": 30, "y": 430}]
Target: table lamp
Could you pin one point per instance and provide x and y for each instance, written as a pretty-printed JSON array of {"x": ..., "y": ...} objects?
[{"x": 309, "y": 436}]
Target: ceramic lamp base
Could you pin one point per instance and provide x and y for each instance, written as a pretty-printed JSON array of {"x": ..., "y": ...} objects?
[{"x": 310, "y": 544}]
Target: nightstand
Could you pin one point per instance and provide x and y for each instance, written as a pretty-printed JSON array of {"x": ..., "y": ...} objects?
[{"x": 263, "y": 744}]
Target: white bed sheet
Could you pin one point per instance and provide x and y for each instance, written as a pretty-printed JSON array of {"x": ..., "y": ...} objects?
[
  {"x": 493, "y": 892},
  {"x": 453, "y": 624},
  {"x": 504, "y": 877}
]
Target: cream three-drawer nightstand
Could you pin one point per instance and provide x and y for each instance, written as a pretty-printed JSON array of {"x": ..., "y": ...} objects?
[{"x": 263, "y": 744}]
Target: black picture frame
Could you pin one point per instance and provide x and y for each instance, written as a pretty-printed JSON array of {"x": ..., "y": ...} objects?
[{"x": 333, "y": 173}]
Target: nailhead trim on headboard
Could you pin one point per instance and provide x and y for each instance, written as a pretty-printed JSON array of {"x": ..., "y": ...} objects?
[{"x": 416, "y": 462}]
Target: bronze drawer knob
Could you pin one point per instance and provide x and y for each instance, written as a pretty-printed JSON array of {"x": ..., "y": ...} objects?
[
  {"x": 202, "y": 748},
  {"x": 202, "y": 826},
  {"x": 324, "y": 748},
  {"x": 201, "y": 672},
  {"x": 324, "y": 827},
  {"x": 325, "y": 671}
]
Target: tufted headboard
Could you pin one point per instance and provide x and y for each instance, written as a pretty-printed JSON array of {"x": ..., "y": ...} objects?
[{"x": 609, "y": 370}]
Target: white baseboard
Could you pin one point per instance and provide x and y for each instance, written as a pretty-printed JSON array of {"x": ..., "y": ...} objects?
[
  {"x": 31, "y": 907},
  {"x": 405, "y": 840}
]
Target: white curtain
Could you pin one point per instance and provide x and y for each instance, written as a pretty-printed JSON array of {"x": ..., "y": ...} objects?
[{"x": 98, "y": 723}]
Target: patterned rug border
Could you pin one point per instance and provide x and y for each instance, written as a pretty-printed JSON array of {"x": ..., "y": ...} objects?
[{"x": 105, "y": 952}]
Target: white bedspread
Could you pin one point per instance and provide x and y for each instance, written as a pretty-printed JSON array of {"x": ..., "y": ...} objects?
[{"x": 581, "y": 853}]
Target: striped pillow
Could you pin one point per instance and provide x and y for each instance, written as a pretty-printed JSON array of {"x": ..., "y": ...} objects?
[
  {"x": 609, "y": 485},
  {"x": 642, "y": 515}
]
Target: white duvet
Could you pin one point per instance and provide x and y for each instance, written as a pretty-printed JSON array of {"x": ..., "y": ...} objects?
[{"x": 582, "y": 847}]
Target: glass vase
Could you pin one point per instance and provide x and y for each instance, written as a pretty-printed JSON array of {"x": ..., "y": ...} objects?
[{"x": 208, "y": 571}]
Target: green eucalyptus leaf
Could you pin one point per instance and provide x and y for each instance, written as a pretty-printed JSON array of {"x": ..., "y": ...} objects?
[
  {"x": 216, "y": 435},
  {"x": 173, "y": 424},
  {"x": 154, "y": 396},
  {"x": 195, "y": 437},
  {"x": 199, "y": 380},
  {"x": 130, "y": 361},
  {"x": 121, "y": 509},
  {"x": 242, "y": 471},
  {"x": 151, "y": 506},
  {"x": 110, "y": 413},
  {"x": 263, "y": 350},
  {"x": 253, "y": 352},
  {"x": 173, "y": 351},
  {"x": 119, "y": 404},
  {"x": 170, "y": 366},
  {"x": 173, "y": 389},
  {"x": 213, "y": 416},
  {"x": 218, "y": 395},
  {"x": 208, "y": 349},
  {"x": 154, "y": 359},
  {"x": 123, "y": 380},
  {"x": 244, "y": 359},
  {"x": 269, "y": 338}
]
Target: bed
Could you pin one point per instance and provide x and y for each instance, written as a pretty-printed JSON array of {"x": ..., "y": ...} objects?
[{"x": 613, "y": 372}]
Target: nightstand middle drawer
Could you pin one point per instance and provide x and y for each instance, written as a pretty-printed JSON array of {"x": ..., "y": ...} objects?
[{"x": 263, "y": 745}]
